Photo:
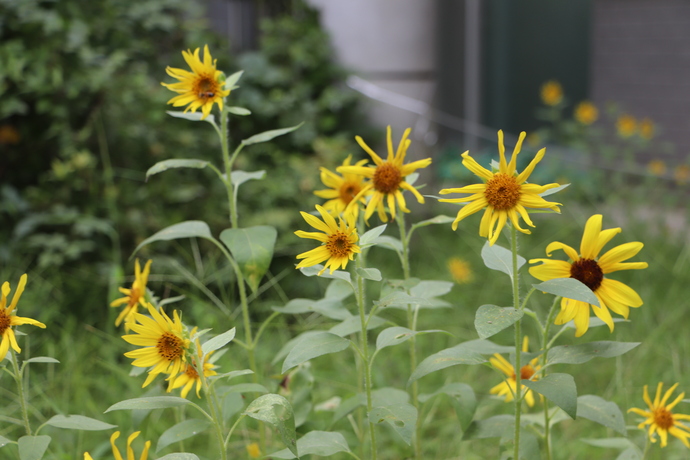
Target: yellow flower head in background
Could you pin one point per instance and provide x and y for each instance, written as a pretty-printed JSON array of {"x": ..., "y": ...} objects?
[
  {"x": 657, "y": 167},
  {"x": 253, "y": 450},
  {"x": 647, "y": 129},
  {"x": 164, "y": 343},
  {"x": 339, "y": 242},
  {"x": 505, "y": 194},
  {"x": 460, "y": 270},
  {"x": 134, "y": 296},
  {"x": 590, "y": 269},
  {"x": 586, "y": 113},
  {"x": 9, "y": 319},
  {"x": 660, "y": 419},
  {"x": 508, "y": 387},
  {"x": 681, "y": 174},
  {"x": 342, "y": 189},
  {"x": 387, "y": 177},
  {"x": 551, "y": 93},
  {"x": 626, "y": 125},
  {"x": 200, "y": 88},
  {"x": 190, "y": 376}
]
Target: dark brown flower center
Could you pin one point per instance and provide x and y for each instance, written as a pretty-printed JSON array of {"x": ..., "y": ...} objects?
[
  {"x": 588, "y": 272},
  {"x": 348, "y": 191},
  {"x": 339, "y": 245},
  {"x": 5, "y": 321},
  {"x": 502, "y": 192},
  {"x": 387, "y": 178},
  {"x": 526, "y": 372},
  {"x": 663, "y": 418},
  {"x": 170, "y": 346},
  {"x": 134, "y": 297},
  {"x": 206, "y": 87},
  {"x": 191, "y": 372}
]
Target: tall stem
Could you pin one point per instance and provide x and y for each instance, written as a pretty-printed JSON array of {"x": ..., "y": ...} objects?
[
  {"x": 214, "y": 407},
  {"x": 225, "y": 144},
  {"x": 518, "y": 342},
  {"x": 18, "y": 378},
  {"x": 544, "y": 356}
]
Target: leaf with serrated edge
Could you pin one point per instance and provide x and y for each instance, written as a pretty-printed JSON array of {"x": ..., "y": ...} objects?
[
  {"x": 218, "y": 341},
  {"x": 263, "y": 408},
  {"x": 154, "y": 402},
  {"x": 581, "y": 353},
  {"x": 569, "y": 288},
  {"x": 501, "y": 259},
  {"x": 321, "y": 443},
  {"x": 181, "y": 431},
  {"x": 78, "y": 422},
  {"x": 402, "y": 417},
  {"x": 491, "y": 319},
  {"x": 175, "y": 163},
  {"x": 312, "y": 346},
  {"x": 560, "y": 389},
  {"x": 601, "y": 411},
  {"x": 446, "y": 358},
  {"x": 188, "y": 229}
]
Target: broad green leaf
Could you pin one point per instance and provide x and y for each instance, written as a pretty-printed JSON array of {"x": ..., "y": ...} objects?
[
  {"x": 369, "y": 273},
  {"x": 381, "y": 397},
  {"x": 33, "y": 447},
  {"x": 435, "y": 220},
  {"x": 560, "y": 389},
  {"x": 610, "y": 443},
  {"x": 569, "y": 288},
  {"x": 188, "y": 229},
  {"x": 446, "y": 358},
  {"x": 581, "y": 353},
  {"x": 353, "y": 324},
  {"x": 337, "y": 274},
  {"x": 191, "y": 116},
  {"x": 170, "y": 164},
  {"x": 287, "y": 348},
  {"x": 431, "y": 288},
  {"x": 179, "y": 456},
  {"x": 402, "y": 417},
  {"x": 464, "y": 401},
  {"x": 252, "y": 248},
  {"x": 42, "y": 359},
  {"x": 490, "y": 319},
  {"x": 4, "y": 441},
  {"x": 247, "y": 388},
  {"x": 218, "y": 341},
  {"x": 632, "y": 453},
  {"x": 232, "y": 80},
  {"x": 327, "y": 307},
  {"x": 388, "y": 242},
  {"x": 268, "y": 135},
  {"x": 396, "y": 335},
  {"x": 370, "y": 236},
  {"x": 154, "y": 402},
  {"x": 399, "y": 299},
  {"x": 501, "y": 259},
  {"x": 603, "y": 412},
  {"x": 311, "y": 346},
  {"x": 182, "y": 430},
  {"x": 277, "y": 411},
  {"x": 498, "y": 426},
  {"x": 321, "y": 443},
  {"x": 238, "y": 111},
  {"x": 338, "y": 290},
  {"x": 240, "y": 177},
  {"x": 78, "y": 422}
]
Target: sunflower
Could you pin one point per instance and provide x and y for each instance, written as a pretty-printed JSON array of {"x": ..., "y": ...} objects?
[
  {"x": 626, "y": 125},
  {"x": 253, "y": 450},
  {"x": 164, "y": 343},
  {"x": 134, "y": 296},
  {"x": 660, "y": 419},
  {"x": 586, "y": 113},
  {"x": 8, "y": 319},
  {"x": 460, "y": 270},
  {"x": 342, "y": 189},
  {"x": 590, "y": 269},
  {"x": 508, "y": 387},
  {"x": 387, "y": 177},
  {"x": 200, "y": 88},
  {"x": 505, "y": 194},
  {"x": 130, "y": 451},
  {"x": 551, "y": 93},
  {"x": 339, "y": 241},
  {"x": 647, "y": 129},
  {"x": 190, "y": 376}
]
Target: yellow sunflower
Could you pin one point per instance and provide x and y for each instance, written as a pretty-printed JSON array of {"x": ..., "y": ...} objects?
[
  {"x": 626, "y": 125},
  {"x": 551, "y": 93},
  {"x": 387, "y": 177},
  {"x": 508, "y": 387},
  {"x": 190, "y": 376},
  {"x": 200, "y": 88},
  {"x": 130, "y": 451},
  {"x": 505, "y": 194},
  {"x": 647, "y": 129},
  {"x": 164, "y": 343},
  {"x": 342, "y": 189},
  {"x": 134, "y": 296},
  {"x": 8, "y": 319},
  {"x": 660, "y": 419},
  {"x": 460, "y": 270},
  {"x": 590, "y": 269},
  {"x": 586, "y": 113},
  {"x": 339, "y": 241}
]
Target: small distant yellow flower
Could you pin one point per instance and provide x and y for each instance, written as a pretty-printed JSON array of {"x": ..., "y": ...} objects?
[
  {"x": 460, "y": 270},
  {"x": 647, "y": 129},
  {"x": 387, "y": 177},
  {"x": 586, "y": 113},
  {"x": 508, "y": 387},
  {"x": 590, "y": 269},
  {"x": 342, "y": 189},
  {"x": 339, "y": 241},
  {"x": 657, "y": 167},
  {"x": 505, "y": 194},
  {"x": 9, "y": 135},
  {"x": 253, "y": 450},
  {"x": 551, "y": 93},
  {"x": 190, "y": 376},
  {"x": 681, "y": 174},
  {"x": 660, "y": 419},
  {"x": 626, "y": 125},
  {"x": 9, "y": 319},
  {"x": 134, "y": 296},
  {"x": 533, "y": 139},
  {"x": 200, "y": 88},
  {"x": 164, "y": 343}
]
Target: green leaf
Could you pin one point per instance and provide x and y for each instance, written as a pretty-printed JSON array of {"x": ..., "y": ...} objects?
[
  {"x": 4, "y": 441},
  {"x": 337, "y": 274},
  {"x": 182, "y": 430},
  {"x": 218, "y": 341},
  {"x": 240, "y": 177},
  {"x": 191, "y": 116},
  {"x": 369, "y": 274},
  {"x": 560, "y": 389},
  {"x": 633, "y": 453},
  {"x": 231, "y": 375},
  {"x": 179, "y": 456},
  {"x": 232, "y": 80},
  {"x": 354, "y": 324},
  {"x": 388, "y": 242},
  {"x": 609, "y": 443},
  {"x": 578, "y": 354},
  {"x": 402, "y": 417},
  {"x": 170, "y": 164},
  {"x": 490, "y": 319},
  {"x": 33, "y": 447},
  {"x": 501, "y": 259},
  {"x": 435, "y": 220},
  {"x": 252, "y": 248},
  {"x": 327, "y": 307},
  {"x": 42, "y": 359},
  {"x": 431, "y": 288},
  {"x": 154, "y": 402},
  {"x": 381, "y": 397},
  {"x": 188, "y": 229},
  {"x": 397, "y": 335},
  {"x": 311, "y": 346},
  {"x": 486, "y": 347},
  {"x": 446, "y": 358},
  {"x": 321, "y": 443},
  {"x": 601, "y": 411},
  {"x": 238, "y": 111},
  {"x": 338, "y": 290},
  {"x": 268, "y": 135},
  {"x": 247, "y": 388},
  {"x": 369, "y": 237},
  {"x": 464, "y": 400},
  {"x": 399, "y": 299},
  {"x": 498, "y": 426},
  {"x": 595, "y": 322},
  {"x": 264, "y": 408},
  {"x": 569, "y": 288},
  {"x": 78, "y": 422}
]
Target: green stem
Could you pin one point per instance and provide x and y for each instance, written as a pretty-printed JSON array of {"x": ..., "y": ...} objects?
[
  {"x": 18, "y": 377},
  {"x": 214, "y": 407},
  {"x": 518, "y": 343},
  {"x": 225, "y": 145},
  {"x": 646, "y": 446},
  {"x": 544, "y": 356}
]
